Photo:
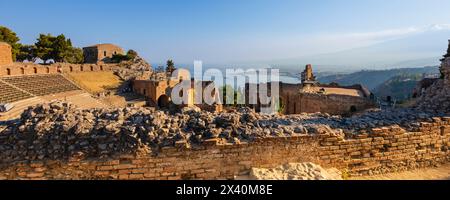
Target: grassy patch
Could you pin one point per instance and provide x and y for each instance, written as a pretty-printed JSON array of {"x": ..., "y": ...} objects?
[{"x": 95, "y": 82}]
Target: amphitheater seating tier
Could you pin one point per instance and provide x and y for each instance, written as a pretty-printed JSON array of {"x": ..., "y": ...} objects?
[
  {"x": 38, "y": 85},
  {"x": 10, "y": 94}
]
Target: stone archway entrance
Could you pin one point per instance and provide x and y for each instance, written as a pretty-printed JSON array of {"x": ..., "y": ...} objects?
[{"x": 163, "y": 101}]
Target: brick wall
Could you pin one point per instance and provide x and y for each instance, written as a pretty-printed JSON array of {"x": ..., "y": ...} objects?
[
  {"x": 18, "y": 69},
  {"x": 296, "y": 103},
  {"x": 5, "y": 54},
  {"x": 384, "y": 150},
  {"x": 101, "y": 53}
]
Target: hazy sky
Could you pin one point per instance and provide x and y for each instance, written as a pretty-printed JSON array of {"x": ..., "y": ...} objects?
[{"x": 225, "y": 31}]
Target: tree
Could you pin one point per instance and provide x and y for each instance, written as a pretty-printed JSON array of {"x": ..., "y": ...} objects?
[
  {"x": 57, "y": 48},
  {"x": 44, "y": 47},
  {"x": 26, "y": 52},
  {"x": 10, "y": 37},
  {"x": 73, "y": 55},
  {"x": 170, "y": 66}
]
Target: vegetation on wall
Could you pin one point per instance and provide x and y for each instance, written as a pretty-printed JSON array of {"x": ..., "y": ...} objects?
[{"x": 131, "y": 54}]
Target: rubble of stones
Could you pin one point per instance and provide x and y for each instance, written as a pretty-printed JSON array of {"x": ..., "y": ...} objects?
[
  {"x": 137, "y": 67},
  {"x": 61, "y": 130},
  {"x": 436, "y": 97}
]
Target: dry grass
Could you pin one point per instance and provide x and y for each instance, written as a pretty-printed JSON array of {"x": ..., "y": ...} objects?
[{"x": 95, "y": 82}]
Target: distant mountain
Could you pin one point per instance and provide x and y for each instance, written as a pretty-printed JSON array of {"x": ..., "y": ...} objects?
[
  {"x": 374, "y": 78},
  {"x": 398, "y": 87},
  {"x": 423, "y": 48}
]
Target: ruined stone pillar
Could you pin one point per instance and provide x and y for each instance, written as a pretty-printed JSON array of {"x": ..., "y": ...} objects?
[
  {"x": 5, "y": 54},
  {"x": 445, "y": 66}
]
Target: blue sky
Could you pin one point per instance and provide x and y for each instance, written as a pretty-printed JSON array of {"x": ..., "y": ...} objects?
[{"x": 225, "y": 31}]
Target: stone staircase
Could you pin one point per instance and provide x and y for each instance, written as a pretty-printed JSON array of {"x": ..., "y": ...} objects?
[
  {"x": 24, "y": 91},
  {"x": 37, "y": 85},
  {"x": 9, "y": 93}
]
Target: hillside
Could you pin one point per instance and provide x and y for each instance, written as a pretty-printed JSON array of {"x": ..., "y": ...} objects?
[
  {"x": 398, "y": 87},
  {"x": 374, "y": 78}
]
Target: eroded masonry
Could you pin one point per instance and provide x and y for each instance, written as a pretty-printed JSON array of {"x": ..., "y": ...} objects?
[{"x": 60, "y": 141}]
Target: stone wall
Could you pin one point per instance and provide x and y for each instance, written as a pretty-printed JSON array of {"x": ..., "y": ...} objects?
[
  {"x": 295, "y": 103},
  {"x": 384, "y": 150},
  {"x": 18, "y": 69},
  {"x": 101, "y": 53},
  {"x": 5, "y": 54}
]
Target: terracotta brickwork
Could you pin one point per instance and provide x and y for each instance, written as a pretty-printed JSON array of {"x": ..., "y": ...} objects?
[
  {"x": 5, "y": 54},
  {"x": 383, "y": 150},
  {"x": 18, "y": 69},
  {"x": 295, "y": 102},
  {"x": 158, "y": 91},
  {"x": 333, "y": 104}
]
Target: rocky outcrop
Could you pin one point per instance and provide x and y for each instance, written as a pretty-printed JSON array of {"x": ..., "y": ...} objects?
[
  {"x": 437, "y": 96},
  {"x": 135, "y": 68}
]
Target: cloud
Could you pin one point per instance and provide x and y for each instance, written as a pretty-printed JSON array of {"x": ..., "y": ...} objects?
[
  {"x": 271, "y": 47},
  {"x": 325, "y": 43}
]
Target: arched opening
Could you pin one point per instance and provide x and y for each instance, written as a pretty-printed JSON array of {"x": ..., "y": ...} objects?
[
  {"x": 22, "y": 70},
  {"x": 101, "y": 67},
  {"x": 163, "y": 101},
  {"x": 8, "y": 71},
  {"x": 353, "y": 109},
  {"x": 442, "y": 130},
  {"x": 92, "y": 68},
  {"x": 35, "y": 70},
  {"x": 81, "y": 68},
  {"x": 48, "y": 70},
  {"x": 104, "y": 53},
  {"x": 71, "y": 69}
]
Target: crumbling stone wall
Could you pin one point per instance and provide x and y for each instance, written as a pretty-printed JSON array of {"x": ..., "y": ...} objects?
[
  {"x": 5, "y": 54},
  {"x": 387, "y": 149}
]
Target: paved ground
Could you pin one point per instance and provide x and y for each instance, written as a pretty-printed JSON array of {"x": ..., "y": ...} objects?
[
  {"x": 80, "y": 98},
  {"x": 439, "y": 173}
]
